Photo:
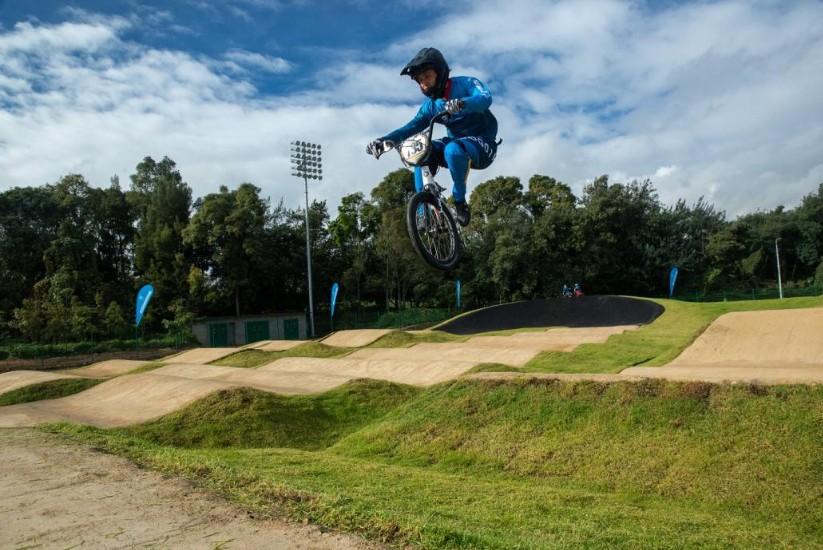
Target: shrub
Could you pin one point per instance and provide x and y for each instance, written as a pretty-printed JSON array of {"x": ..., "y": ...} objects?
[{"x": 35, "y": 351}]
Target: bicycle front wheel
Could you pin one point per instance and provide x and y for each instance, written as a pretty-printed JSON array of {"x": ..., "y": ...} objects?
[{"x": 433, "y": 232}]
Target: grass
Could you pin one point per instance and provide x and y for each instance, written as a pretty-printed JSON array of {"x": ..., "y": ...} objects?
[
  {"x": 251, "y": 418},
  {"x": 492, "y": 367},
  {"x": 526, "y": 464},
  {"x": 657, "y": 343},
  {"x": 402, "y": 339},
  {"x": 251, "y": 358},
  {"x": 147, "y": 367},
  {"x": 52, "y": 389}
]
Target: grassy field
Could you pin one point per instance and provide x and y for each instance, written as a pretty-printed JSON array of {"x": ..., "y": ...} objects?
[
  {"x": 523, "y": 464},
  {"x": 53, "y": 389}
]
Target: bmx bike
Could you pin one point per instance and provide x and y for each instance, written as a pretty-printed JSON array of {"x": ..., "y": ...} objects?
[{"x": 429, "y": 219}]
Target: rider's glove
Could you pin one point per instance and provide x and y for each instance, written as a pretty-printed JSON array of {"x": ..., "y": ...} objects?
[
  {"x": 454, "y": 106},
  {"x": 376, "y": 148}
]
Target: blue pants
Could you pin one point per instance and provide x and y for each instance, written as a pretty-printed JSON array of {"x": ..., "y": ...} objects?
[{"x": 458, "y": 155}]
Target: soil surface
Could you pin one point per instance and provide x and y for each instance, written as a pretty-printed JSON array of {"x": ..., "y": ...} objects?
[
  {"x": 108, "y": 369},
  {"x": 768, "y": 347},
  {"x": 55, "y": 494},
  {"x": 355, "y": 338},
  {"x": 201, "y": 356},
  {"x": 275, "y": 345},
  {"x": 13, "y": 380}
]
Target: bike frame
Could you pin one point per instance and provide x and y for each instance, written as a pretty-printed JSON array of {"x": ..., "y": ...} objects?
[
  {"x": 427, "y": 226},
  {"x": 428, "y": 177}
]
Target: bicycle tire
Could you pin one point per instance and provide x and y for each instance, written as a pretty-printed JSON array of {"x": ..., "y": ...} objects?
[{"x": 438, "y": 240}]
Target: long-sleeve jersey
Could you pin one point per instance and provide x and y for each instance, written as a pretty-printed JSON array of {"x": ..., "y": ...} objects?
[{"x": 474, "y": 120}]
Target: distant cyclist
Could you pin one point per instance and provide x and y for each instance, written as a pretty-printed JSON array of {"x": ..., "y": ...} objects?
[
  {"x": 578, "y": 290},
  {"x": 471, "y": 130}
]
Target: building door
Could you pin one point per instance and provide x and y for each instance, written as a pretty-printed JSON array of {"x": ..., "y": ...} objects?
[
  {"x": 219, "y": 335},
  {"x": 291, "y": 329},
  {"x": 256, "y": 331}
]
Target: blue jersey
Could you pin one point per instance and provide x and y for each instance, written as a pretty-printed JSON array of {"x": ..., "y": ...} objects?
[{"x": 474, "y": 120}]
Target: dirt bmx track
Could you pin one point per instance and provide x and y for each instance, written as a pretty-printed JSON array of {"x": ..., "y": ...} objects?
[
  {"x": 136, "y": 398},
  {"x": 764, "y": 347}
]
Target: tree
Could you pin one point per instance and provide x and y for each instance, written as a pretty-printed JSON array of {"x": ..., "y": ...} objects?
[
  {"x": 554, "y": 246},
  {"x": 116, "y": 323},
  {"x": 809, "y": 219},
  {"x": 498, "y": 241},
  {"x": 617, "y": 237},
  {"x": 227, "y": 234},
  {"x": 162, "y": 201},
  {"x": 726, "y": 250},
  {"x": 684, "y": 235},
  {"x": 351, "y": 232},
  {"x": 29, "y": 219},
  {"x": 401, "y": 265}
]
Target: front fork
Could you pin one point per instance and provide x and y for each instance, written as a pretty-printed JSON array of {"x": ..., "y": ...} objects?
[{"x": 423, "y": 178}]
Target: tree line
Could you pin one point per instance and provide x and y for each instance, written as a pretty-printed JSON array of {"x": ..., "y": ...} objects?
[{"x": 72, "y": 255}]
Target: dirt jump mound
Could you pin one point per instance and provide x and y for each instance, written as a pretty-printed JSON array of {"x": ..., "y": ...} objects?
[
  {"x": 775, "y": 347},
  {"x": 586, "y": 311}
]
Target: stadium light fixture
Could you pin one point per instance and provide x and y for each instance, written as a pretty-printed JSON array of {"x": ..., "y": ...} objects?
[{"x": 307, "y": 163}]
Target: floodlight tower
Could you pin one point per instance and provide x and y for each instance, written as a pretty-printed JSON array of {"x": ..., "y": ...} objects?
[{"x": 306, "y": 163}]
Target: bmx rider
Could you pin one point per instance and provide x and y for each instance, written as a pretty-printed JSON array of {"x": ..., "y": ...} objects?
[{"x": 471, "y": 128}]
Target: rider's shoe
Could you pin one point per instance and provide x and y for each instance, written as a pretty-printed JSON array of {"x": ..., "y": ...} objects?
[{"x": 464, "y": 215}]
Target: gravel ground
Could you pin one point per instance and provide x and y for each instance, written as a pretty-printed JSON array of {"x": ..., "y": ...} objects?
[{"x": 55, "y": 494}]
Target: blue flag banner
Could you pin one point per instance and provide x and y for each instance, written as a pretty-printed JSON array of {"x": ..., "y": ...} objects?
[
  {"x": 143, "y": 297},
  {"x": 672, "y": 280},
  {"x": 457, "y": 290},
  {"x": 335, "y": 288}
]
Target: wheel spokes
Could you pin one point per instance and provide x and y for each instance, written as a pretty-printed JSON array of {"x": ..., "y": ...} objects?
[{"x": 434, "y": 232}]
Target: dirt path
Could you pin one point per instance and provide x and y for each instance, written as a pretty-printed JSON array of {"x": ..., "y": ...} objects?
[{"x": 59, "y": 495}]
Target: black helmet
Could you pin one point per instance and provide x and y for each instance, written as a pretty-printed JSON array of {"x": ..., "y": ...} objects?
[{"x": 429, "y": 58}]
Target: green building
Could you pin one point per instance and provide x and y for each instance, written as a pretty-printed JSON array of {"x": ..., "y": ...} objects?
[{"x": 237, "y": 331}]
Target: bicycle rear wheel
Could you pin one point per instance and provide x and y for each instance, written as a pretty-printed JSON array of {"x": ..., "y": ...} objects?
[{"x": 433, "y": 232}]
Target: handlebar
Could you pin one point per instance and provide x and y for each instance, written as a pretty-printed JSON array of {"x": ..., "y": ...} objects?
[{"x": 441, "y": 116}]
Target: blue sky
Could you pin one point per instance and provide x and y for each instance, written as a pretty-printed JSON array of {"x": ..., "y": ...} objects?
[{"x": 716, "y": 99}]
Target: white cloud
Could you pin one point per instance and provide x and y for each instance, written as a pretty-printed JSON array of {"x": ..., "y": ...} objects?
[
  {"x": 724, "y": 90},
  {"x": 258, "y": 61},
  {"x": 716, "y": 99},
  {"x": 27, "y": 38},
  {"x": 664, "y": 171}
]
